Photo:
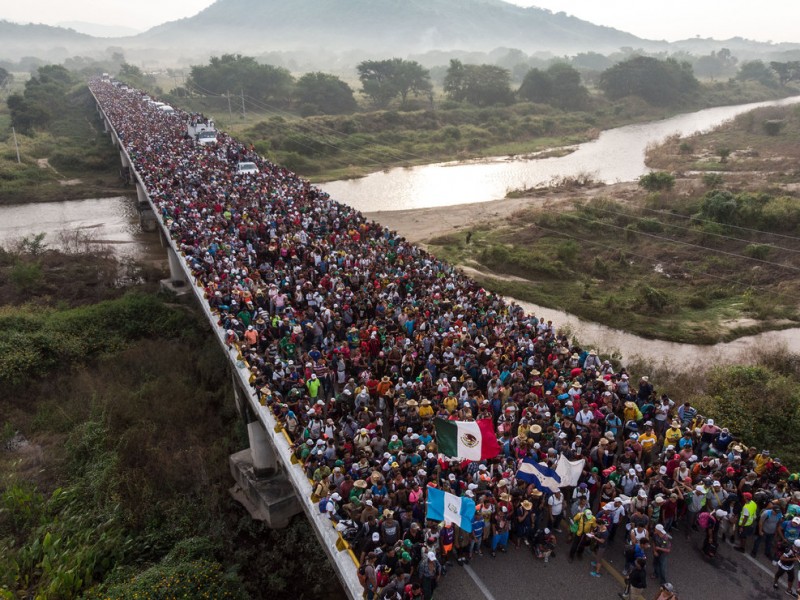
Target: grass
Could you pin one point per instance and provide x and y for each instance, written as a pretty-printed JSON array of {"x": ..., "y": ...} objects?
[{"x": 600, "y": 260}]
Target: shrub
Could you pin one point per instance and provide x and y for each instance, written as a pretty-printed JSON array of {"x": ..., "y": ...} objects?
[
  {"x": 655, "y": 299},
  {"x": 734, "y": 394},
  {"x": 772, "y": 126},
  {"x": 650, "y": 225},
  {"x": 759, "y": 251},
  {"x": 712, "y": 180},
  {"x": 657, "y": 180}
]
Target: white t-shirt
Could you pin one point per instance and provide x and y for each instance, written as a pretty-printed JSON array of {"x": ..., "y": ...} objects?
[{"x": 556, "y": 505}]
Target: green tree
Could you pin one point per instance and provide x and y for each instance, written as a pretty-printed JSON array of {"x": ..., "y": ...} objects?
[
  {"x": 5, "y": 78},
  {"x": 323, "y": 93},
  {"x": 567, "y": 91},
  {"x": 237, "y": 74},
  {"x": 384, "y": 80},
  {"x": 786, "y": 71},
  {"x": 536, "y": 87},
  {"x": 45, "y": 96},
  {"x": 482, "y": 85},
  {"x": 756, "y": 70},
  {"x": 658, "y": 82},
  {"x": 716, "y": 64}
]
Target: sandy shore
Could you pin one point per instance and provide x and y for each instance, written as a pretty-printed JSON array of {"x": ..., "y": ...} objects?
[{"x": 422, "y": 224}]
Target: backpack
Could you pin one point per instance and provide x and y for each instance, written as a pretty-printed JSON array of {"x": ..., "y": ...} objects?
[
  {"x": 362, "y": 575},
  {"x": 322, "y": 505}
]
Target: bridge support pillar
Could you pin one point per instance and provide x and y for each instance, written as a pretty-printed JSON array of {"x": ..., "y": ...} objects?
[
  {"x": 177, "y": 282},
  {"x": 265, "y": 462},
  {"x": 125, "y": 173}
]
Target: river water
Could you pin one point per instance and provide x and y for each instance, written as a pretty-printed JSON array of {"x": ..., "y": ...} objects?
[
  {"x": 111, "y": 222},
  {"x": 616, "y": 155}
]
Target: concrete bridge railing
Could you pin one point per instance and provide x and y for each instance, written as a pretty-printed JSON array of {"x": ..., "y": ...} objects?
[{"x": 287, "y": 491}]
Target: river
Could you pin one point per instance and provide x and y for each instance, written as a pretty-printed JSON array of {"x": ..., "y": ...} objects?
[
  {"x": 616, "y": 155},
  {"x": 111, "y": 222}
]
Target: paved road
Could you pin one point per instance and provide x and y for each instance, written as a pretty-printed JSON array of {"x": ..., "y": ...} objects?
[{"x": 517, "y": 576}]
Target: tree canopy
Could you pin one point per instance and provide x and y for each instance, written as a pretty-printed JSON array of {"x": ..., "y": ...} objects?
[
  {"x": 236, "y": 74},
  {"x": 43, "y": 98},
  {"x": 322, "y": 93},
  {"x": 659, "y": 82},
  {"x": 756, "y": 70},
  {"x": 559, "y": 86},
  {"x": 384, "y": 80},
  {"x": 482, "y": 85}
]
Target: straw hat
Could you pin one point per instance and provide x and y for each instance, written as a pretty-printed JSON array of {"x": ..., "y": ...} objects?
[
  {"x": 360, "y": 483},
  {"x": 526, "y": 504},
  {"x": 536, "y": 428},
  {"x": 412, "y": 403}
]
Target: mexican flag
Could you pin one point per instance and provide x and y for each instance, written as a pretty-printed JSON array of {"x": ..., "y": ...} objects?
[{"x": 473, "y": 440}]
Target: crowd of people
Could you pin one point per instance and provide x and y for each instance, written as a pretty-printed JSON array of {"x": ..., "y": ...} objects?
[{"x": 358, "y": 340}]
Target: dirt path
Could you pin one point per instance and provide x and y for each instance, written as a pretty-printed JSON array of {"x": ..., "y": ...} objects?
[{"x": 422, "y": 224}]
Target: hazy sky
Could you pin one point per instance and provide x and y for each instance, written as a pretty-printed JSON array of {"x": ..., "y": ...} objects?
[{"x": 775, "y": 20}]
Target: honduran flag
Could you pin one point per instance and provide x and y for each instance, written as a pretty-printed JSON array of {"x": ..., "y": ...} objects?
[
  {"x": 543, "y": 477},
  {"x": 473, "y": 440},
  {"x": 444, "y": 506}
]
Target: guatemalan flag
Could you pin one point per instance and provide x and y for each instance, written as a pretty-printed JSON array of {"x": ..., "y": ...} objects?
[
  {"x": 542, "y": 476},
  {"x": 473, "y": 440},
  {"x": 443, "y": 506}
]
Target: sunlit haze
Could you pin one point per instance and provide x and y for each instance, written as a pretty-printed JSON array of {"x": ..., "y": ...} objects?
[{"x": 767, "y": 20}]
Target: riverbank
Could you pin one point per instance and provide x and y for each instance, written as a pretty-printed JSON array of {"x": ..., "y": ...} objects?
[
  {"x": 67, "y": 158},
  {"x": 663, "y": 264}
]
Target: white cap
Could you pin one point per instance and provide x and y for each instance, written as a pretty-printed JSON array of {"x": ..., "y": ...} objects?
[
  {"x": 376, "y": 536},
  {"x": 710, "y": 421},
  {"x": 335, "y": 496},
  {"x": 660, "y": 528},
  {"x": 431, "y": 555}
]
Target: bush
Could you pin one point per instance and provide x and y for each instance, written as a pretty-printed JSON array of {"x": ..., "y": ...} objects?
[
  {"x": 656, "y": 181},
  {"x": 190, "y": 579},
  {"x": 759, "y": 251},
  {"x": 734, "y": 394},
  {"x": 712, "y": 180},
  {"x": 655, "y": 299},
  {"x": 772, "y": 126},
  {"x": 650, "y": 225}
]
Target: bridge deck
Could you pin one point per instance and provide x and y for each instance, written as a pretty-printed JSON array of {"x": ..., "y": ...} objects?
[{"x": 341, "y": 556}]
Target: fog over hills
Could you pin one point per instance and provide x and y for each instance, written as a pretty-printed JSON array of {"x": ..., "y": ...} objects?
[{"x": 350, "y": 30}]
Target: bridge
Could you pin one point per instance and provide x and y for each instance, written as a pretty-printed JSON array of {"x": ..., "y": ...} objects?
[{"x": 269, "y": 481}]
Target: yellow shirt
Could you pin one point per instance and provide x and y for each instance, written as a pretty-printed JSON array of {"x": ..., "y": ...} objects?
[
  {"x": 648, "y": 440},
  {"x": 426, "y": 411},
  {"x": 672, "y": 436},
  {"x": 451, "y": 403}
]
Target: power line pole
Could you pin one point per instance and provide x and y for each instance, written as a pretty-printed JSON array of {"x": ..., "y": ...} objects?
[
  {"x": 230, "y": 112},
  {"x": 14, "y": 132},
  {"x": 244, "y": 111}
]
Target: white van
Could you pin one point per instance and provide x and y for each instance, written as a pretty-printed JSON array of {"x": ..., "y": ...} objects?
[{"x": 243, "y": 168}]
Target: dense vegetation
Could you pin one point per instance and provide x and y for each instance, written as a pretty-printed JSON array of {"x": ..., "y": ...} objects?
[
  {"x": 115, "y": 485},
  {"x": 60, "y": 139}
]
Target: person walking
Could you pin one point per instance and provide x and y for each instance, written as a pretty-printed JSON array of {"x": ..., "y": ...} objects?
[
  {"x": 662, "y": 546},
  {"x": 636, "y": 582}
]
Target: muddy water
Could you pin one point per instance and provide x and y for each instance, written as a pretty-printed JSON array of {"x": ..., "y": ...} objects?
[
  {"x": 109, "y": 222},
  {"x": 674, "y": 354}
]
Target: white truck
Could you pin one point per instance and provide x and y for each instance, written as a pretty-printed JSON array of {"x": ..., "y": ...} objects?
[{"x": 202, "y": 132}]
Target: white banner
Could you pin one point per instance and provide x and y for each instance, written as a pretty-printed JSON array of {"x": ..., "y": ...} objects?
[{"x": 569, "y": 470}]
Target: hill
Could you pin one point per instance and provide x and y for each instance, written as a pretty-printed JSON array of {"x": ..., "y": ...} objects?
[{"x": 388, "y": 26}]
